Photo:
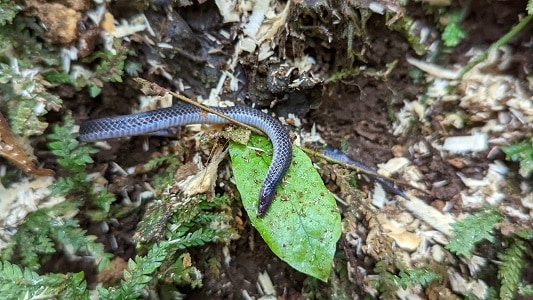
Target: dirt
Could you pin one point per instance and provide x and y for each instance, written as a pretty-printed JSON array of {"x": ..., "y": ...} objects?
[{"x": 354, "y": 114}]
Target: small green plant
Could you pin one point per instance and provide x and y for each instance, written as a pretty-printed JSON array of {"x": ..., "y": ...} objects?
[
  {"x": 526, "y": 290},
  {"x": 25, "y": 95},
  {"x": 23, "y": 283},
  {"x": 510, "y": 270},
  {"x": 388, "y": 283},
  {"x": 140, "y": 272},
  {"x": 22, "y": 88},
  {"x": 453, "y": 34},
  {"x": 415, "y": 277},
  {"x": 472, "y": 230},
  {"x": 449, "y": 22},
  {"x": 188, "y": 223},
  {"x": 8, "y": 11},
  {"x": 521, "y": 152},
  {"x": 478, "y": 227},
  {"x": 48, "y": 229},
  {"x": 109, "y": 68},
  {"x": 183, "y": 224},
  {"x": 193, "y": 228},
  {"x": 183, "y": 272},
  {"x": 74, "y": 158},
  {"x": 168, "y": 164}
]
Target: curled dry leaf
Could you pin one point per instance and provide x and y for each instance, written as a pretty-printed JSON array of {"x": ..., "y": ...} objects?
[{"x": 10, "y": 149}]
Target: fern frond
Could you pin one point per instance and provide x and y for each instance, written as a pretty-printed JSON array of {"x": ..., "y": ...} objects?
[
  {"x": 199, "y": 237},
  {"x": 183, "y": 272},
  {"x": 415, "y": 277},
  {"x": 385, "y": 284},
  {"x": 526, "y": 290},
  {"x": 63, "y": 144},
  {"x": 511, "y": 268},
  {"x": 187, "y": 224},
  {"x": 67, "y": 232},
  {"x": 138, "y": 275},
  {"x": 472, "y": 230},
  {"x": 524, "y": 233},
  {"x": 74, "y": 157},
  {"x": 9, "y": 11},
  {"x": 23, "y": 283},
  {"x": 521, "y": 152},
  {"x": 33, "y": 240},
  {"x": 453, "y": 33}
]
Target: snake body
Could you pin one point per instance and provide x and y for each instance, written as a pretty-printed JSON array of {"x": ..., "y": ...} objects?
[
  {"x": 337, "y": 154},
  {"x": 185, "y": 114},
  {"x": 159, "y": 120}
]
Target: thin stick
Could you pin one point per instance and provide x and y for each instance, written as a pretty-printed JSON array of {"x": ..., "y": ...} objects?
[{"x": 150, "y": 88}]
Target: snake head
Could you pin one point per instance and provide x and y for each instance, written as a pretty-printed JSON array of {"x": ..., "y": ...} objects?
[{"x": 266, "y": 196}]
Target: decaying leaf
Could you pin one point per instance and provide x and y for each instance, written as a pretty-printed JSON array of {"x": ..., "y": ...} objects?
[{"x": 10, "y": 149}]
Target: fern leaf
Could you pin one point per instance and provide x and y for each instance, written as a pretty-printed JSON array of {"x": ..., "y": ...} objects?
[
  {"x": 23, "y": 283},
  {"x": 416, "y": 277},
  {"x": 472, "y": 230},
  {"x": 523, "y": 153},
  {"x": 139, "y": 273},
  {"x": 9, "y": 11},
  {"x": 526, "y": 290},
  {"x": 511, "y": 269}
]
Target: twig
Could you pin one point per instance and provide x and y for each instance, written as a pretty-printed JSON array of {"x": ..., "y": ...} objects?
[{"x": 150, "y": 88}]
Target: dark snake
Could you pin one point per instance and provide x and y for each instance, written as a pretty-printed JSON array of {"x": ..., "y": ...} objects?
[{"x": 179, "y": 115}]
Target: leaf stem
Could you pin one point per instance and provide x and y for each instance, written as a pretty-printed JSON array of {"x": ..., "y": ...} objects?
[{"x": 502, "y": 41}]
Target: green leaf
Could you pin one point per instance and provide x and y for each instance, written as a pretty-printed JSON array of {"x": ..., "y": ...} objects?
[
  {"x": 303, "y": 224},
  {"x": 94, "y": 91}
]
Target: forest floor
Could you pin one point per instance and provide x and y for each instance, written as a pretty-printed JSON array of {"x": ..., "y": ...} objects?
[{"x": 354, "y": 80}]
